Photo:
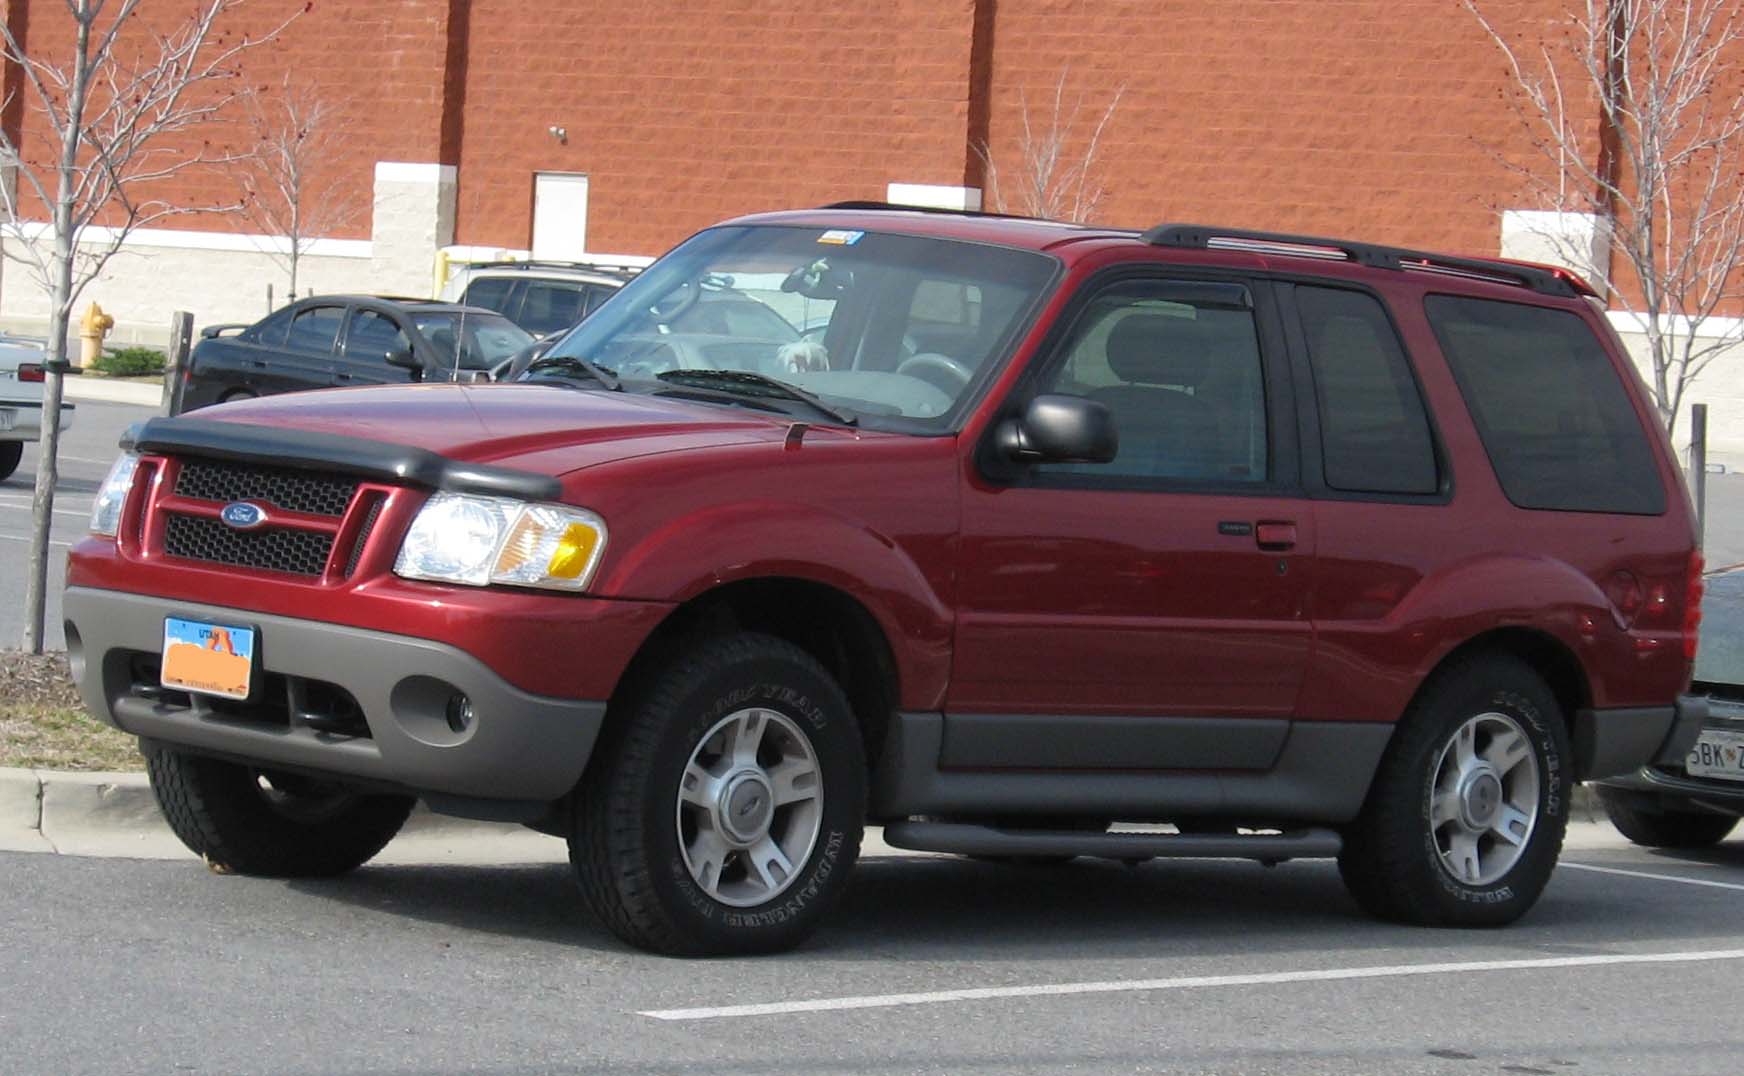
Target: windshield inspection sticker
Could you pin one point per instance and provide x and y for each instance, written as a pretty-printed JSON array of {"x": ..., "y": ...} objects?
[{"x": 839, "y": 237}]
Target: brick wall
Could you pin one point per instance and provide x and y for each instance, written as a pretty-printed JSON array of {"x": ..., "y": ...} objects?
[
  {"x": 378, "y": 64},
  {"x": 1373, "y": 118},
  {"x": 681, "y": 118}
]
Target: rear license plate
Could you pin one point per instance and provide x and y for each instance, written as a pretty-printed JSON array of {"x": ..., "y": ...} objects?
[
  {"x": 212, "y": 659},
  {"x": 8, "y": 418},
  {"x": 1717, "y": 754}
]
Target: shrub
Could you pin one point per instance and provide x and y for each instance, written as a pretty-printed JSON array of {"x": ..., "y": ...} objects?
[{"x": 130, "y": 362}]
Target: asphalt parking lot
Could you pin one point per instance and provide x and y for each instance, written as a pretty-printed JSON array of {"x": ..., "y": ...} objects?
[
  {"x": 1631, "y": 963},
  {"x": 481, "y": 959},
  {"x": 88, "y": 447}
]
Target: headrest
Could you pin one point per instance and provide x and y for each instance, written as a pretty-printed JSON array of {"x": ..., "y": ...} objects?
[{"x": 1157, "y": 349}]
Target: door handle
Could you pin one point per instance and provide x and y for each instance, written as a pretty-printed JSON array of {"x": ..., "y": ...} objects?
[{"x": 1275, "y": 536}]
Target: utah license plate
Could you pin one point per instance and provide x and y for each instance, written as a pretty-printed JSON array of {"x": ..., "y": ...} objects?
[
  {"x": 212, "y": 659},
  {"x": 1717, "y": 754}
]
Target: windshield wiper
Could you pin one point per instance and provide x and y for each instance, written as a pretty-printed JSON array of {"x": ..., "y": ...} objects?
[
  {"x": 576, "y": 364},
  {"x": 746, "y": 383}
]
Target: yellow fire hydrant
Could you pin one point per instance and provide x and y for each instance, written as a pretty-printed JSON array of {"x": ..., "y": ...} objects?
[{"x": 94, "y": 325}]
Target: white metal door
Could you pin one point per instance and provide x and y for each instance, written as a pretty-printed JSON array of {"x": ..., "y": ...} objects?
[{"x": 559, "y": 215}]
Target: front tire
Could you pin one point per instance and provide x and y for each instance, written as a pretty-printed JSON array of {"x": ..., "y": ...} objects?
[
  {"x": 247, "y": 821},
  {"x": 1467, "y": 812},
  {"x": 725, "y": 814},
  {"x": 1664, "y": 829}
]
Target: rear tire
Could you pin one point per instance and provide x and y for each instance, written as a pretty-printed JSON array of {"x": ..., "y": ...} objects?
[
  {"x": 10, "y": 453},
  {"x": 1466, "y": 814},
  {"x": 724, "y": 814},
  {"x": 248, "y": 821},
  {"x": 1664, "y": 829}
]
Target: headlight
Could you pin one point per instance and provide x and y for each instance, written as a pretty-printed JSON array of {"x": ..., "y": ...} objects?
[
  {"x": 458, "y": 538},
  {"x": 106, "y": 509}
]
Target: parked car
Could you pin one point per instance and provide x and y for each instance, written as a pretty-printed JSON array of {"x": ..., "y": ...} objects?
[
  {"x": 346, "y": 340},
  {"x": 542, "y": 297},
  {"x": 1696, "y": 801},
  {"x": 21, "y": 380},
  {"x": 1284, "y": 546}
]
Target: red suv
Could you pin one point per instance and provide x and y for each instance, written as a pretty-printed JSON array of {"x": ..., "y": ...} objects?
[{"x": 1281, "y": 546}]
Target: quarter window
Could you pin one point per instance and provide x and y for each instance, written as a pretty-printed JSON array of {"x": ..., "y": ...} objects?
[
  {"x": 1179, "y": 367},
  {"x": 1374, "y": 435},
  {"x": 1554, "y": 417}
]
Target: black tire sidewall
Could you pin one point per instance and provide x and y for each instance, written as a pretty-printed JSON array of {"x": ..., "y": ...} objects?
[
  {"x": 766, "y": 674},
  {"x": 11, "y": 454},
  {"x": 1511, "y": 690}
]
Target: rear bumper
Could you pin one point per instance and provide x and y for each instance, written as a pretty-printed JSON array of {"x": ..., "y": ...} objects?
[
  {"x": 1664, "y": 778},
  {"x": 21, "y": 420},
  {"x": 1608, "y": 743},
  {"x": 518, "y": 746}
]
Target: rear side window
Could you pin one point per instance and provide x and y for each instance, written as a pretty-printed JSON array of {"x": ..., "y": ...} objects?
[
  {"x": 550, "y": 307},
  {"x": 1553, "y": 414},
  {"x": 491, "y": 292},
  {"x": 1374, "y": 435}
]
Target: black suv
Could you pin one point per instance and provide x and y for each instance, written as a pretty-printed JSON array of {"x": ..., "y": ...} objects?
[{"x": 338, "y": 340}]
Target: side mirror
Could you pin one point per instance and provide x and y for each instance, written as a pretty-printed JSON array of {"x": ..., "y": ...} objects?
[
  {"x": 1060, "y": 429},
  {"x": 403, "y": 358}
]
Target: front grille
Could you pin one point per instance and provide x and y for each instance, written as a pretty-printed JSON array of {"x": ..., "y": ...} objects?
[
  {"x": 198, "y": 538},
  {"x": 293, "y": 491}
]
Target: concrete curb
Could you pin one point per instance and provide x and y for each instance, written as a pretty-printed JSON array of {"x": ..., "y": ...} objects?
[
  {"x": 105, "y": 390},
  {"x": 115, "y": 814}
]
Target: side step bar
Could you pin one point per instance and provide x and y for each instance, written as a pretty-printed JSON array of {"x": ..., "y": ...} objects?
[{"x": 975, "y": 840}]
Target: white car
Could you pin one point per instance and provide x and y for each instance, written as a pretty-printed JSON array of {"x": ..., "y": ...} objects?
[
  {"x": 544, "y": 298},
  {"x": 21, "y": 378}
]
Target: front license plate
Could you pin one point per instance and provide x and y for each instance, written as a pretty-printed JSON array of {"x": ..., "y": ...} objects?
[
  {"x": 1717, "y": 754},
  {"x": 212, "y": 659}
]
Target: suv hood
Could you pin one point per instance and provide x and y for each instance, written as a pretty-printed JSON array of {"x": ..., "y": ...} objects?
[{"x": 541, "y": 428}]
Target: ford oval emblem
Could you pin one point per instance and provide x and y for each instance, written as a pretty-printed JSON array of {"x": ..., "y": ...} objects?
[{"x": 243, "y": 515}]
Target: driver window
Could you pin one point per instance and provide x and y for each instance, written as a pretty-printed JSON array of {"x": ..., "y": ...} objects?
[{"x": 1182, "y": 376}]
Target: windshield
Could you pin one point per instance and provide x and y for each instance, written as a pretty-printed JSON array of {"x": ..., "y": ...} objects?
[
  {"x": 485, "y": 339},
  {"x": 893, "y": 330}
]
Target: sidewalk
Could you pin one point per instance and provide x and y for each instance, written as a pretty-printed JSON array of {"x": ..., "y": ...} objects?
[
  {"x": 112, "y": 390},
  {"x": 113, "y": 815}
]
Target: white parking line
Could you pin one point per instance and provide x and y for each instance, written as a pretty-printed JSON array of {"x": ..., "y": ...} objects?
[
  {"x": 26, "y": 539},
  {"x": 1655, "y": 877},
  {"x": 1196, "y": 982}
]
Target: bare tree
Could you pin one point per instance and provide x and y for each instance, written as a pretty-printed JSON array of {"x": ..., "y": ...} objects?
[
  {"x": 1632, "y": 123},
  {"x": 122, "y": 104},
  {"x": 289, "y": 188},
  {"x": 1054, "y": 176}
]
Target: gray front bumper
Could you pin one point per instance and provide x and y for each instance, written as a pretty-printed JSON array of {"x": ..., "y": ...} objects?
[{"x": 519, "y": 746}]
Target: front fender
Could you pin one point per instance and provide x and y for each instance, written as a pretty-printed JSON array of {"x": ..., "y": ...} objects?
[{"x": 728, "y": 543}]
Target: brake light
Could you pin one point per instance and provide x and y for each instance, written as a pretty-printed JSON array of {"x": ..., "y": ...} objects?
[
  {"x": 29, "y": 371},
  {"x": 1692, "y": 607}
]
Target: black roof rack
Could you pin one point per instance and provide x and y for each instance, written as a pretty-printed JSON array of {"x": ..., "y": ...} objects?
[
  {"x": 880, "y": 207},
  {"x": 1202, "y": 237},
  {"x": 604, "y": 269}
]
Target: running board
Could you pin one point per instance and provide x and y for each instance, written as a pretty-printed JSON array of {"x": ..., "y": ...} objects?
[{"x": 972, "y": 840}]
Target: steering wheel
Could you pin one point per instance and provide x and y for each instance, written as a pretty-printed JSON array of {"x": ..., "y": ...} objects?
[{"x": 954, "y": 374}]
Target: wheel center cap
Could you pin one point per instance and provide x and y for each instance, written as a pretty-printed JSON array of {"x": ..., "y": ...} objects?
[
  {"x": 1481, "y": 799},
  {"x": 746, "y": 806}
]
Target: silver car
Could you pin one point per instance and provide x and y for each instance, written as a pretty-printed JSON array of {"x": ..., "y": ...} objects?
[{"x": 21, "y": 378}]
